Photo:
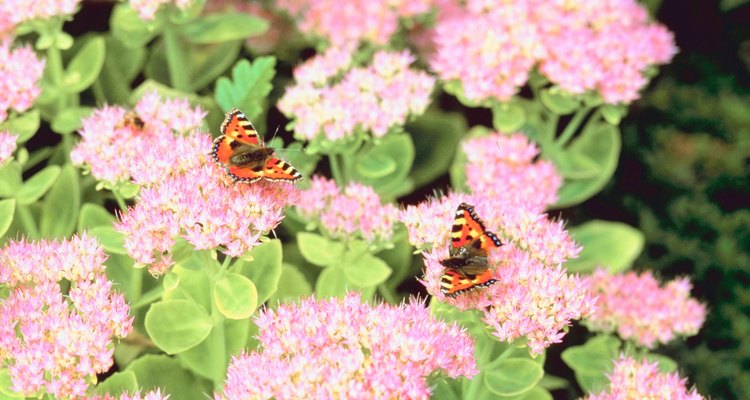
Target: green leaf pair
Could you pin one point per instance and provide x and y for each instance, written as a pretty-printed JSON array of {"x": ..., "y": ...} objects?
[
  {"x": 385, "y": 166},
  {"x": 610, "y": 245}
]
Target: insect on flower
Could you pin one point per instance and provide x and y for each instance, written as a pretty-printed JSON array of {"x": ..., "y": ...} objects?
[
  {"x": 467, "y": 268},
  {"x": 244, "y": 156}
]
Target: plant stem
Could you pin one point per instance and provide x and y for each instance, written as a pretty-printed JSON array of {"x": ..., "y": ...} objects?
[
  {"x": 338, "y": 174},
  {"x": 387, "y": 293},
  {"x": 572, "y": 127},
  {"x": 176, "y": 60},
  {"x": 218, "y": 336},
  {"x": 55, "y": 65},
  {"x": 28, "y": 222}
]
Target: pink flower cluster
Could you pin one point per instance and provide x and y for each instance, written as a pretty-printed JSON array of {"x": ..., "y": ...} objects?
[
  {"x": 143, "y": 145},
  {"x": 640, "y": 309},
  {"x": 20, "y": 72},
  {"x": 342, "y": 348},
  {"x": 147, "y": 8},
  {"x": 15, "y": 12},
  {"x": 195, "y": 199},
  {"x": 7, "y": 146},
  {"x": 502, "y": 167},
  {"x": 152, "y": 395},
  {"x": 369, "y": 99},
  {"x": 580, "y": 45},
  {"x": 636, "y": 380},
  {"x": 534, "y": 298},
  {"x": 355, "y": 211},
  {"x": 57, "y": 342},
  {"x": 352, "y": 21}
]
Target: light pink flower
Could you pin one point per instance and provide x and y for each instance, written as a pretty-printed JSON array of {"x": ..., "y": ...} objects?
[
  {"x": 638, "y": 308},
  {"x": 636, "y": 380},
  {"x": 7, "y": 146},
  {"x": 502, "y": 167},
  {"x": 197, "y": 200},
  {"x": 352, "y": 21},
  {"x": 57, "y": 342},
  {"x": 143, "y": 146},
  {"x": 147, "y": 8},
  {"x": 342, "y": 348},
  {"x": 20, "y": 72},
  {"x": 151, "y": 395},
  {"x": 14, "y": 12},
  {"x": 368, "y": 99},
  {"x": 355, "y": 211}
]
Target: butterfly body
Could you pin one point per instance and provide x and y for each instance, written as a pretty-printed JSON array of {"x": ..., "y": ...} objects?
[
  {"x": 467, "y": 267},
  {"x": 244, "y": 156}
]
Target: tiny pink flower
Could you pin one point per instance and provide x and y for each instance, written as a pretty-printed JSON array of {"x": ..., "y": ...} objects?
[
  {"x": 354, "y": 211},
  {"x": 151, "y": 395},
  {"x": 20, "y": 72},
  {"x": 372, "y": 99},
  {"x": 7, "y": 146},
  {"x": 636, "y": 380},
  {"x": 343, "y": 348},
  {"x": 15, "y": 12},
  {"x": 638, "y": 308},
  {"x": 147, "y": 8},
  {"x": 53, "y": 342}
]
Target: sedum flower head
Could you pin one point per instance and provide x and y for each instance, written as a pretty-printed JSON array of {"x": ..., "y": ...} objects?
[
  {"x": 151, "y": 395},
  {"x": 20, "y": 73},
  {"x": 369, "y": 99},
  {"x": 638, "y": 380},
  {"x": 147, "y": 8},
  {"x": 15, "y": 12},
  {"x": 53, "y": 342},
  {"x": 143, "y": 145},
  {"x": 342, "y": 348},
  {"x": 197, "y": 201},
  {"x": 354, "y": 211},
  {"x": 642, "y": 310},
  {"x": 502, "y": 167},
  {"x": 7, "y": 146}
]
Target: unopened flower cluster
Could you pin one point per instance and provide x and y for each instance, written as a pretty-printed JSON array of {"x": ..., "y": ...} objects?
[
  {"x": 20, "y": 72},
  {"x": 638, "y": 308},
  {"x": 636, "y": 380},
  {"x": 580, "y": 45},
  {"x": 53, "y": 342},
  {"x": 7, "y": 146},
  {"x": 354, "y": 211},
  {"x": 371, "y": 99},
  {"x": 342, "y": 348}
]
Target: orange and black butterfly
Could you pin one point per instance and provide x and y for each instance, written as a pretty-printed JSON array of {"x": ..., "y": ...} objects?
[
  {"x": 244, "y": 156},
  {"x": 467, "y": 267}
]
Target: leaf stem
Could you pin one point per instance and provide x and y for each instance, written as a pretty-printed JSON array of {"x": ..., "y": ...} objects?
[
  {"x": 338, "y": 173},
  {"x": 572, "y": 127},
  {"x": 176, "y": 59},
  {"x": 388, "y": 294},
  {"x": 55, "y": 67}
]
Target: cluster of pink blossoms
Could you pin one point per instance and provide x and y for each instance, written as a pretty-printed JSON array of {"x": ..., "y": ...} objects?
[
  {"x": 636, "y": 380},
  {"x": 639, "y": 309},
  {"x": 7, "y": 146},
  {"x": 534, "y": 297},
  {"x": 152, "y": 395},
  {"x": 370, "y": 99},
  {"x": 355, "y": 211},
  {"x": 147, "y": 8},
  {"x": 195, "y": 199},
  {"x": 53, "y": 342},
  {"x": 342, "y": 348},
  {"x": 502, "y": 167},
  {"x": 580, "y": 45},
  {"x": 143, "y": 145},
  {"x": 20, "y": 72},
  {"x": 352, "y": 21},
  {"x": 15, "y": 12}
]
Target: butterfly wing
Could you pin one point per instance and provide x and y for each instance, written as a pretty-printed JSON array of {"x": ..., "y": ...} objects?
[
  {"x": 280, "y": 170},
  {"x": 237, "y": 134},
  {"x": 469, "y": 232},
  {"x": 452, "y": 283}
]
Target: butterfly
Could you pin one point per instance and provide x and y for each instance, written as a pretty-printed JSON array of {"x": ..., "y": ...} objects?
[
  {"x": 245, "y": 157},
  {"x": 467, "y": 268}
]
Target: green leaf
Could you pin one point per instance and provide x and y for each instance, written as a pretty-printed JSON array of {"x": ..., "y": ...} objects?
[
  {"x": 601, "y": 144},
  {"x": 7, "y": 210},
  {"x": 224, "y": 27},
  {"x": 513, "y": 377},
  {"x": 198, "y": 359},
  {"x": 332, "y": 282},
  {"x": 319, "y": 250},
  {"x": 60, "y": 207},
  {"x": 728, "y": 5},
  {"x": 85, "y": 66},
  {"x": 559, "y": 101},
  {"x": 295, "y": 285},
  {"x": 121, "y": 66},
  {"x": 69, "y": 119},
  {"x": 177, "y": 325},
  {"x": 613, "y": 114},
  {"x": 211, "y": 61},
  {"x": 24, "y": 125},
  {"x": 397, "y": 147},
  {"x": 128, "y": 27},
  {"x": 164, "y": 372},
  {"x": 117, "y": 383},
  {"x": 6, "y": 386},
  {"x": 264, "y": 270},
  {"x": 375, "y": 165},
  {"x": 551, "y": 382},
  {"x": 249, "y": 86},
  {"x": 366, "y": 270},
  {"x": 612, "y": 245},
  {"x": 436, "y": 136},
  {"x": 110, "y": 239},
  {"x": 236, "y": 296},
  {"x": 592, "y": 362},
  {"x": 537, "y": 393},
  {"x": 36, "y": 186},
  {"x": 666, "y": 364},
  {"x": 508, "y": 117},
  {"x": 575, "y": 165},
  {"x": 93, "y": 215},
  {"x": 10, "y": 179}
]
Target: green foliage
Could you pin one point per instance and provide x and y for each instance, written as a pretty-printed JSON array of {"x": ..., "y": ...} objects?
[
  {"x": 592, "y": 362},
  {"x": 513, "y": 377},
  {"x": 610, "y": 245},
  {"x": 249, "y": 86},
  {"x": 177, "y": 325}
]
